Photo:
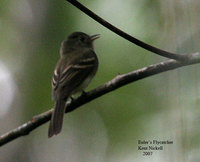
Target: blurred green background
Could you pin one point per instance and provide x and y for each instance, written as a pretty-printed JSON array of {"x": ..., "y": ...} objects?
[{"x": 161, "y": 107}]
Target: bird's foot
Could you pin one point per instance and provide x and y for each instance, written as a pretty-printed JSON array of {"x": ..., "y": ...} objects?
[
  {"x": 72, "y": 99},
  {"x": 83, "y": 93}
]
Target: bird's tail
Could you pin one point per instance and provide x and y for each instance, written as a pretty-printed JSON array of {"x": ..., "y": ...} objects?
[{"x": 56, "y": 122}]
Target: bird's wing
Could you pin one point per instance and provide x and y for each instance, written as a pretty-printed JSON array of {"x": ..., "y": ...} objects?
[{"x": 71, "y": 75}]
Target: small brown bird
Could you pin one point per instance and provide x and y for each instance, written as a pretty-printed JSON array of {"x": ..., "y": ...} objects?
[{"x": 75, "y": 69}]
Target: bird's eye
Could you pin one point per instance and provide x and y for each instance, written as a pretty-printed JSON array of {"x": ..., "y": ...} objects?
[{"x": 82, "y": 39}]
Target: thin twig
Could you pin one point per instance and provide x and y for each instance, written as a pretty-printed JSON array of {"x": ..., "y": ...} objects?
[
  {"x": 119, "y": 81},
  {"x": 125, "y": 35}
]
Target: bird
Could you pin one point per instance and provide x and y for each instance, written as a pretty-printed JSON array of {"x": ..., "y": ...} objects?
[{"x": 75, "y": 69}]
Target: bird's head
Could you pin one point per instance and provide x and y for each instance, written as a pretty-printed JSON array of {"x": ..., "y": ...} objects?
[{"x": 78, "y": 40}]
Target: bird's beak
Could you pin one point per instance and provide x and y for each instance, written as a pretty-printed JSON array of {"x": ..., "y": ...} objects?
[{"x": 94, "y": 37}]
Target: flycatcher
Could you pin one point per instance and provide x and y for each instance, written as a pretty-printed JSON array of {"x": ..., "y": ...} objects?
[{"x": 76, "y": 67}]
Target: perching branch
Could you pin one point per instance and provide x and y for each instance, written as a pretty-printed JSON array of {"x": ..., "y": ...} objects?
[
  {"x": 125, "y": 35},
  {"x": 117, "y": 82}
]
